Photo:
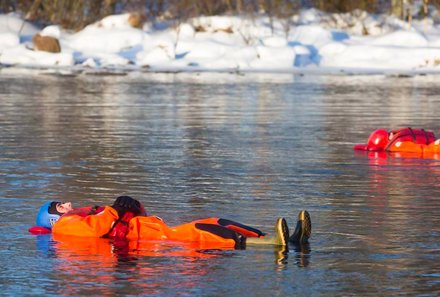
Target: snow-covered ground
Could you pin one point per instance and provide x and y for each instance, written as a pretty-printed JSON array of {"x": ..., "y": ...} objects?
[{"x": 313, "y": 42}]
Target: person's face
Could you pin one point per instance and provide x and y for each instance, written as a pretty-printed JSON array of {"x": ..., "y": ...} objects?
[{"x": 64, "y": 207}]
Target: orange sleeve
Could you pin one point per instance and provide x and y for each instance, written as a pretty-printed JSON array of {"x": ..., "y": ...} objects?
[
  {"x": 89, "y": 226},
  {"x": 147, "y": 228}
]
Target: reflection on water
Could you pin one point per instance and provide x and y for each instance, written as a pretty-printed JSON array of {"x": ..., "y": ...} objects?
[{"x": 245, "y": 147}]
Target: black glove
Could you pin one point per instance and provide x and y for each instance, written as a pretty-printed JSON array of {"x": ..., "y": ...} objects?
[{"x": 123, "y": 204}]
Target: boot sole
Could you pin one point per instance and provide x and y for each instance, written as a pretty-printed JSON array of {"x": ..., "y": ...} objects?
[
  {"x": 283, "y": 231},
  {"x": 303, "y": 228}
]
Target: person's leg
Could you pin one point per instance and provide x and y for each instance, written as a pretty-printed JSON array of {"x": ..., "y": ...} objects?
[
  {"x": 242, "y": 229},
  {"x": 280, "y": 236},
  {"x": 303, "y": 228},
  {"x": 206, "y": 231},
  {"x": 219, "y": 234},
  {"x": 209, "y": 230}
]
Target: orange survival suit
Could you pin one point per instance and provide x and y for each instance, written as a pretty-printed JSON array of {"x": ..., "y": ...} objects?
[
  {"x": 105, "y": 222},
  {"x": 401, "y": 140}
]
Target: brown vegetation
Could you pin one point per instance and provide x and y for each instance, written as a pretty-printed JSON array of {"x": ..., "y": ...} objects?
[{"x": 79, "y": 13}]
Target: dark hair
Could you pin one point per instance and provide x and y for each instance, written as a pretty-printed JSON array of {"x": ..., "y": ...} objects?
[{"x": 53, "y": 208}]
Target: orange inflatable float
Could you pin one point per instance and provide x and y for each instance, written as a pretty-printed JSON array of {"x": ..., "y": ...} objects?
[{"x": 406, "y": 140}]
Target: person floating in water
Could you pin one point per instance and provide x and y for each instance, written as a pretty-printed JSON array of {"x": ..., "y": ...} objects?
[
  {"x": 127, "y": 219},
  {"x": 407, "y": 140}
]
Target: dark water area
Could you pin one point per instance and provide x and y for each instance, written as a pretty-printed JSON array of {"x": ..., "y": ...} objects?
[{"x": 249, "y": 148}]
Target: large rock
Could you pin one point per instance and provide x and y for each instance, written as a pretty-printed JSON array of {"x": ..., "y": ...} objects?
[
  {"x": 46, "y": 43},
  {"x": 135, "y": 20}
]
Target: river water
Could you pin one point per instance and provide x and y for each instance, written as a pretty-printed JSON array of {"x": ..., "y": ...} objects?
[{"x": 247, "y": 147}]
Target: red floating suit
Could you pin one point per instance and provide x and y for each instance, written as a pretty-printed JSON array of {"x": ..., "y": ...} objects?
[{"x": 401, "y": 140}]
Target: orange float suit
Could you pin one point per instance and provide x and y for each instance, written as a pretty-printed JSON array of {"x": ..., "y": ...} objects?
[
  {"x": 406, "y": 140},
  {"x": 105, "y": 222}
]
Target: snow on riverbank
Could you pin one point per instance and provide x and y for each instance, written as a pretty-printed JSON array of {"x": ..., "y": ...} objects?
[{"x": 313, "y": 42}]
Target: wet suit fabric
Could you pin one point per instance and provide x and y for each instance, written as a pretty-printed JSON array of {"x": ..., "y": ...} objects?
[
  {"x": 409, "y": 140},
  {"x": 224, "y": 232}
]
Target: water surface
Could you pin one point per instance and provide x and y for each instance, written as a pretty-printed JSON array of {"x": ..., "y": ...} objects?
[{"x": 245, "y": 147}]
